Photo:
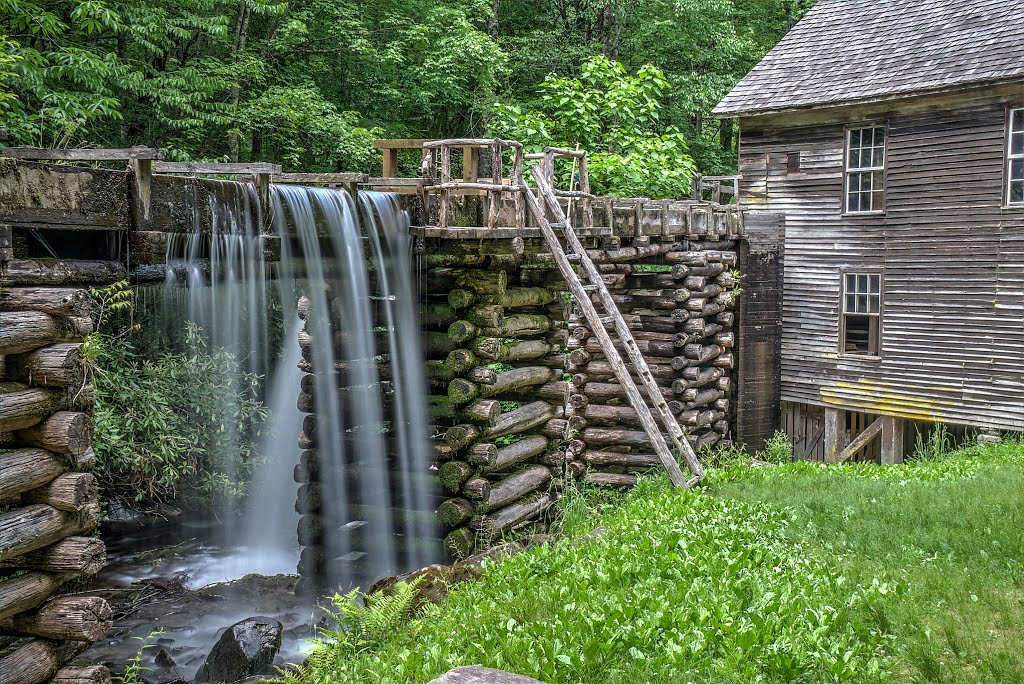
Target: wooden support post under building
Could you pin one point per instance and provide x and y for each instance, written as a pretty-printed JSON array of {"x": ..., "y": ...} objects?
[
  {"x": 832, "y": 420},
  {"x": 892, "y": 440}
]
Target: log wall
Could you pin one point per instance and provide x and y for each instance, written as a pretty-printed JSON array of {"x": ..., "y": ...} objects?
[{"x": 48, "y": 498}]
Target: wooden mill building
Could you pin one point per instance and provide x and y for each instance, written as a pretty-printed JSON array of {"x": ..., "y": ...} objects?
[{"x": 891, "y": 135}]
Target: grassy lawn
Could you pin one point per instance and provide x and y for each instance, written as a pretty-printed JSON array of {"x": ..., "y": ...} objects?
[{"x": 795, "y": 573}]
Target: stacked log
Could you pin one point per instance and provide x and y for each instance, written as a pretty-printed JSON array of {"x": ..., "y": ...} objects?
[
  {"x": 48, "y": 499},
  {"x": 500, "y": 408},
  {"x": 681, "y": 313}
]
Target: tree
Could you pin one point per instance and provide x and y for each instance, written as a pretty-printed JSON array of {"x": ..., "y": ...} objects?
[{"x": 616, "y": 118}]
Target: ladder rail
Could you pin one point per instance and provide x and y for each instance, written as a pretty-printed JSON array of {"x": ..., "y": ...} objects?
[{"x": 607, "y": 344}]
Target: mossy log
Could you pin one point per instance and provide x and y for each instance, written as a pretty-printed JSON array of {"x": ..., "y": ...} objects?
[
  {"x": 458, "y": 544},
  {"x": 564, "y": 428},
  {"x": 78, "y": 555},
  {"x": 501, "y": 520},
  {"x": 498, "y": 349},
  {"x": 486, "y": 316},
  {"x": 516, "y": 379},
  {"x": 454, "y": 473},
  {"x": 438, "y": 372},
  {"x": 454, "y": 512},
  {"x": 307, "y": 500},
  {"x": 483, "y": 454},
  {"x": 57, "y": 365},
  {"x": 701, "y": 257},
  {"x": 56, "y": 301},
  {"x": 557, "y": 391},
  {"x": 64, "y": 432},
  {"x": 22, "y": 470},
  {"x": 702, "y": 353},
  {"x": 483, "y": 412},
  {"x": 33, "y": 527},
  {"x": 70, "y": 492},
  {"x": 481, "y": 281},
  {"x": 310, "y": 529},
  {"x": 482, "y": 376},
  {"x": 611, "y": 458},
  {"x": 461, "y": 436},
  {"x": 602, "y": 392},
  {"x": 461, "y": 332},
  {"x": 726, "y": 340},
  {"x": 517, "y": 452},
  {"x": 461, "y": 299},
  {"x": 438, "y": 344},
  {"x": 24, "y": 592},
  {"x": 621, "y": 480},
  {"x": 518, "y": 325},
  {"x": 89, "y": 674},
  {"x": 75, "y": 618},
  {"x": 437, "y": 316},
  {"x": 695, "y": 418},
  {"x": 726, "y": 319},
  {"x": 724, "y": 360},
  {"x": 462, "y": 360},
  {"x": 477, "y": 488},
  {"x": 601, "y": 370},
  {"x": 523, "y": 296},
  {"x": 523, "y": 419}
]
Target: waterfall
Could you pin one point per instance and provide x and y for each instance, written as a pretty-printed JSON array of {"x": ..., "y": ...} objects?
[{"x": 354, "y": 264}]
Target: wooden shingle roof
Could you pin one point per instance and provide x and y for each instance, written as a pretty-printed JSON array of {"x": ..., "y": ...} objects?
[{"x": 846, "y": 51}]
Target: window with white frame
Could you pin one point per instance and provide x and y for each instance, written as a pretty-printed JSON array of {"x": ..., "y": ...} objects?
[
  {"x": 862, "y": 312},
  {"x": 865, "y": 169},
  {"x": 1015, "y": 158}
]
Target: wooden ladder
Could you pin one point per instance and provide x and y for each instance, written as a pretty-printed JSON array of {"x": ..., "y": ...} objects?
[{"x": 582, "y": 292}]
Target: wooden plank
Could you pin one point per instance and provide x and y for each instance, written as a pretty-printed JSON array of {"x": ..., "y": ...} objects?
[
  {"x": 860, "y": 442},
  {"x": 81, "y": 154},
  {"x": 832, "y": 420},
  {"x": 318, "y": 178},
  {"x": 401, "y": 143},
  {"x": 636, "y": 400},
  {"x": 215, "y": 167},
  {"x": 892, "y": 440}
]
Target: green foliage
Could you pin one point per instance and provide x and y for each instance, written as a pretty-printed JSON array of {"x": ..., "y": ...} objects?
[
  {"x": 134, "y": 669},
  {"x": 937, "y": 443},
  {"x": 362, "y": 623},
  {"x": 777, "y": 449},
  {"x": 616, "y": 117},
  {"x": 173, "y": 426}
]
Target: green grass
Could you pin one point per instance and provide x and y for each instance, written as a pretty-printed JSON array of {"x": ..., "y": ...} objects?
[
  {"x": 797, "y": 573},
  {"x": 949, "y": 533}
]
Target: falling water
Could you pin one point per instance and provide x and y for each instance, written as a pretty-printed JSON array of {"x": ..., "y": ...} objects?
[{"x": 354, "y": 264}]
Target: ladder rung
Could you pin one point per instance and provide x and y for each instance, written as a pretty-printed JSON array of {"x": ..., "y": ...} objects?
[
  {"x": 572, "y": 257},
  {"x": 607, "y": 319},
  {"x": 589, "y": 288},
  {"x": 557, "y": 225}
]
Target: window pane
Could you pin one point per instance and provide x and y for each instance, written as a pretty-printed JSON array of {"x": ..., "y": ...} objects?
[
  {"x": 854, "y": 159},
  {"x": 855, "y": 138},
  {"x": 879, "y": 135},
  {"x": 876, "y": 201},
  {"x": 1017, "y": 169},
  {"x": 1017, "y": 120},
  {"x": 1017, "y": 143},
  {"x": 873, "y": 304},
  {"x": 879, "y": 157},
  {"x": 875, "y": 282},
  {"x": 851, "y": 303},
  {"x": 1017, "y": 192},
  {"x": 851, "y": 282},
  {"x": 851, "y": 202},
  {"x": 862, "y": 283}
]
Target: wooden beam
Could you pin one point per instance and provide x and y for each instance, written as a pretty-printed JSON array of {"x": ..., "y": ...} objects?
[
  {"x": 401, "y": 143},
  {"x": 892, "y": 440},
  {"x": 389, "y": 167},
  {"x": 215, "y": 167},
  {"x": 832, "y": 418},
  {"x": 318, "y": 178},
  {"x": 862, "y": 440},
  {"x": 82, "y": 154}
]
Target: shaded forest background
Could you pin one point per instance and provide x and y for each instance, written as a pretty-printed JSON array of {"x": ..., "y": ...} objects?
[{"x": 310, "y": 83}]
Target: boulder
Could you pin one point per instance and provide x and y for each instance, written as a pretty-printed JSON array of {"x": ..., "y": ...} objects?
[
  {"x": 245, "y": 649},
  {"x": 474, "y": 674}
]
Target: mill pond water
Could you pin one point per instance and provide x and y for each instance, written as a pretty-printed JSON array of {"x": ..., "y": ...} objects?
[{"x": 195, "y": 575}]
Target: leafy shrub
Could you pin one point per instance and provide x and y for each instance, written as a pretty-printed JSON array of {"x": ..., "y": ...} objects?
[
  {"x": 180, "y": 425},
  {"x": 777, "y": 449},
  {"x": 937, "y": 444}
]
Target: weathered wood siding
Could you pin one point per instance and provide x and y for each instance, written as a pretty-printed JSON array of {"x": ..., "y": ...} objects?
[{"x": 952, "y": 257}]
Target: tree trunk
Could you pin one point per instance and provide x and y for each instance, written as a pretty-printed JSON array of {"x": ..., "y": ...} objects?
[
  {"x": 522, "y": 419},
  {"x": 69, "y": 493},
  {"x": 74, "y": 618},
  {"x": 90, "y": 674},
  {"x": 518, "y": 452},
  {"x": 514, "y": 487},
  {"x": 24, "y": 469},
  {"x": 510, "y": 516},
  {"x": 24, "y": 592},
  {"x": 48, "y": 300},
  {"x": 610, "y": 458},
  {"x": 22, "y": 406},
  {"x": 33, "y": 527},
  {"x": 79, "y": 555}
]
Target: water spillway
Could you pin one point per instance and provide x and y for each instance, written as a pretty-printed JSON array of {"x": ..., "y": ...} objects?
[{"x": 333, "y": 343}]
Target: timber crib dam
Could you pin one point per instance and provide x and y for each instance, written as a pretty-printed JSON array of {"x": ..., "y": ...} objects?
[{"x": 522, "y": 397}]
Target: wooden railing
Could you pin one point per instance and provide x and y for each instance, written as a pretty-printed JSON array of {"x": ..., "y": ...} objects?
[{"x": 717, "y": 189}]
